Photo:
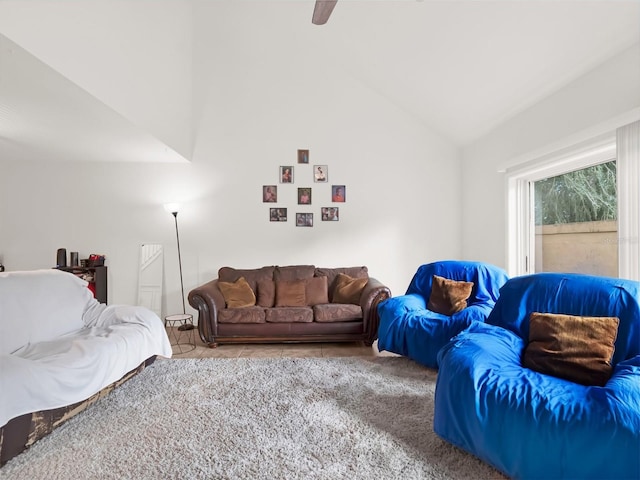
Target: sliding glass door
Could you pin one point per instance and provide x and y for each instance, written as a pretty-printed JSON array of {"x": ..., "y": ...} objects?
[
  {"x": 578, "y": 209},
  {"x": 575, "y": 221}
]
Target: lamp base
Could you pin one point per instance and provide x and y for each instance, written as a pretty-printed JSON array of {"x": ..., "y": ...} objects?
[{"x": 186, "y": 326}]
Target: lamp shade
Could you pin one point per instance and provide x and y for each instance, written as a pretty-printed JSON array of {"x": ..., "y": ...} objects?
[{"x": 172, "y": 207}]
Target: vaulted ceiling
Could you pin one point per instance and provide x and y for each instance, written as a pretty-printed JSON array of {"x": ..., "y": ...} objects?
[{"x": 459, "y": 67}]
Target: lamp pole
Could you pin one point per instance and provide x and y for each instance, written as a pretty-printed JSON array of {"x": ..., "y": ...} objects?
[
  {"x": 175, "y": 216},
  {"x": 185, "y": 326}
]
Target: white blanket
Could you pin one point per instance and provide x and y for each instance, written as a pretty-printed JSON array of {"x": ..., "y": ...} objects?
[{"x": 72, "y": 367}]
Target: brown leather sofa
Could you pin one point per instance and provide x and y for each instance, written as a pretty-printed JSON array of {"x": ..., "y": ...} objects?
[{"x": 299, "y": 303}]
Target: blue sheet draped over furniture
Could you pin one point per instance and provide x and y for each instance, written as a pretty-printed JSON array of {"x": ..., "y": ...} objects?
[
  {"x": 531, "y": 425},
  {"x": 408, "y": 328}
]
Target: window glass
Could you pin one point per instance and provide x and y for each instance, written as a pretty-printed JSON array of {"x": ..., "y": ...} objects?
[{"x": 576, "y": 227}]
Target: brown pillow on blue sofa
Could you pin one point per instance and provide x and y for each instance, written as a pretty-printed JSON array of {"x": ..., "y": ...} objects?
[
  {"x": 575, "y": 348},
  {"x": 448, "y": 296},
  {"x": 237, "y": 294}
]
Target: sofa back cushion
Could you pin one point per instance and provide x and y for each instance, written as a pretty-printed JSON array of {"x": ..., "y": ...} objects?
[
  {"x": 572, "y": 294},
  {"x": 293, "y": 272},
  {"x": 40, "y": 305},
  {"x": 332, "y": 275},
  {"x": 252, "y": 276}
]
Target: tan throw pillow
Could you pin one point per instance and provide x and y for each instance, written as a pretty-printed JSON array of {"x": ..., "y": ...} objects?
[
  {"x": 237, "y": 294},
  {"x": 348, "y": 290},
  {"x": 575, "y": 348},
  {"x": 317, "y": 291},
  {"x": 290, "y": 294},
  {"x": 448, "y": 296}
]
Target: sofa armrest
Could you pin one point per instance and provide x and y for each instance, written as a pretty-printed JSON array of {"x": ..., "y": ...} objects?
[
  {"x": 374, "y": 293},
  {"x": 208, "y": 300}
]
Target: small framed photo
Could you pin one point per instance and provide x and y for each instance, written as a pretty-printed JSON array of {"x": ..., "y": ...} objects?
[
  {"x": 269, "y": 193},
  {"x": 338, "y": 193},
  {"x": 277, "y": 214},
  {"x": 286, "y": 174},
  {"x": 304, "y": 219},
  {"x": 303, "y": 156},
  {"x": 320, "y": 173},
  {"x": 304, "y": 196},
  {"x": 330, "y": 214}
]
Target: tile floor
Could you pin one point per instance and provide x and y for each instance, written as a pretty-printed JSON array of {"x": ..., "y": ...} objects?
[{"x": 300, "y": 350}]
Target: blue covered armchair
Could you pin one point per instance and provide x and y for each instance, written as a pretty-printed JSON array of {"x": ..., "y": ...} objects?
[
  {"x": 418, "y": 323},
  {"x": 549, "y": 385}
]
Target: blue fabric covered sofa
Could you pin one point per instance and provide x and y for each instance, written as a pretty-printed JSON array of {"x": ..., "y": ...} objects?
[
  {"x": 533, "y": 425},
  {"x": 408, "y": 328}
]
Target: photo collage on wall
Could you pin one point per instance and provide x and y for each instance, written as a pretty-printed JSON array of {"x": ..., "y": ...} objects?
[{"x": 306, "y": 194}]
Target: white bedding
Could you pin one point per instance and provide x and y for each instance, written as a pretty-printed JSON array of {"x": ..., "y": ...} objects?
[{"x": 72, "y": 367}]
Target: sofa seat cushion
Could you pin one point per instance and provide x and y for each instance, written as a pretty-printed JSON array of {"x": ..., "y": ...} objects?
[
  {"x": 241, "y": 315},
  {"x": 289, "y": 315},
  {"x": 337, "y": 312}
]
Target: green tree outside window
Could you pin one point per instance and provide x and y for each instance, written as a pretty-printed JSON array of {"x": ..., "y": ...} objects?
[{"x": 585, "y": 195}]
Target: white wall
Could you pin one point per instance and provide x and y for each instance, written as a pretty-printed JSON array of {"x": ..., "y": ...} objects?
[
  {"x": 600, "y": 101},
  {"x": 257, "y": 102},
  {"x": 133, "y": 56}
]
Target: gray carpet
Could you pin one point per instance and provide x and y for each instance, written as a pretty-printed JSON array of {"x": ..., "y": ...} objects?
[{"x": 250, "y": 418}]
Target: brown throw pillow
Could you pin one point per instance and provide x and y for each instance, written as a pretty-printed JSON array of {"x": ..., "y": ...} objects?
[
  {"x": 317, "y": 291},
  {"x": 290, "y": 294},
  {"x": 448, "y": 296},
  {"x": 237, "y": 294},
  {"x": 266, "y": 292},
  {"x": 348, "y": 290},
  {"x": 575, "y": 348}
]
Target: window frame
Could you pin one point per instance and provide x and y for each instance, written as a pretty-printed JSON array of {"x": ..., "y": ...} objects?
[{"x": 520, "y": 216}]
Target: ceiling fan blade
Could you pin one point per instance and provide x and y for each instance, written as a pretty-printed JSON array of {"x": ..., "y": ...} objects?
[{"x": 322, "y": 11}]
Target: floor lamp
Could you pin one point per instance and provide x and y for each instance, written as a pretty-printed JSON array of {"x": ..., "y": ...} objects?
[{"x": 173, "y": 209}]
